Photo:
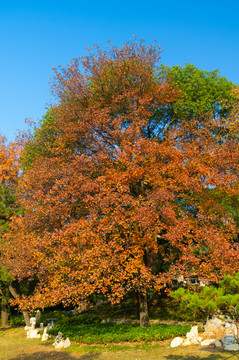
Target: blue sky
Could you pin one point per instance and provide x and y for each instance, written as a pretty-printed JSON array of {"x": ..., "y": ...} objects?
[{"x": 37, "y": 35}]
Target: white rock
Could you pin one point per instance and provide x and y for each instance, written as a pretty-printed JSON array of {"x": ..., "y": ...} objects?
[
  {"x": 213, "y": 325},
  {"x": 58, "y": 338},
  {"x": 176, "y": 342},
  {"x": 231, "y": 347},
  {"x": 218, "y": 343},
  {"x": 216, "y": 322},
  {"x": 195, "y": 341},
  {"x": 228, "y": 340},
  {"x": 45, "y": 336},
  {"x": 186, "y": 342},
  {"x": 33, "y": 334},
  {"x": 193, "y": 333},
  {"x": 230, "y": 328},
  {"x": 60, "y": 344},
  {"x": 33, "y": 321},
  {"x": 67, "y": 343},
  {"x": 208, "y": 342}
]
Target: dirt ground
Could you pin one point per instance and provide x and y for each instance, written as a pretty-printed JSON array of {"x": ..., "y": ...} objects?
[{"x": 15, "y": 346}]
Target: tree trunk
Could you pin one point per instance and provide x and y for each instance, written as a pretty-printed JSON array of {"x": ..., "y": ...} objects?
[
  {"x": 15, "y": 294},
  {"x": 143, "y": 310},
  {"x": 26, "y": 317},
  {"x": 137, "y": 303},
  {"x": 4, "y": 309}
]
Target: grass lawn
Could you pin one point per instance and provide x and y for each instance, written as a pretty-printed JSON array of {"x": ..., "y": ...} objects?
[{"x": 15, "y": 346}]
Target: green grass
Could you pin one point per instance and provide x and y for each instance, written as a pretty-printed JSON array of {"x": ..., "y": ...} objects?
[
  {"x": 15, "y": 346},
  {"x": 101, "y": 333},
  {"x": 88, "y": 328}
]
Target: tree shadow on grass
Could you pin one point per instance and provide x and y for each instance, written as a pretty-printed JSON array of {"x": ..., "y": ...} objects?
[
  {"x": 193, "y": 357},
  {"x": 55, "y": 355},
  {"x": 213, "y": 356}
]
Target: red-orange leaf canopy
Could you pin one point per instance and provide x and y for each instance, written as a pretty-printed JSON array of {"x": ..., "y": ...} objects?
[{"x": 113, "y": 201}]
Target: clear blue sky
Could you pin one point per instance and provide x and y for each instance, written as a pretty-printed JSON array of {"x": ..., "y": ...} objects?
[{"x": 37, "y": 35}]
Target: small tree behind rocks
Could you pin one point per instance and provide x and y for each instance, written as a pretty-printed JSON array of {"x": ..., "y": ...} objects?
[{"x": 220, "y": 300}]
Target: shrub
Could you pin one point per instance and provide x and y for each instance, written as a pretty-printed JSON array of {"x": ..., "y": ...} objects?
[{"x": 114, "y": 333}]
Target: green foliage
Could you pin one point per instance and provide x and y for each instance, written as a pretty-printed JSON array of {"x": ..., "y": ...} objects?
[
  {"x": 8, "y": 207},
  {"x": 230, "y": 284},
  {"x": 17, "y": 320},
  {"x": 211, "y": 300},
  {"x": 168, "y": 308},
  {"x": 7, "y": 201},
  {"x": 229, "y": 203},
  {"x": 232, "y": 206},
  {"x": 200, "y": 328},
  {"x": 202, "y": 93},
  {"x": 66, "y": 319},
  {"x": 126, "y": 308},
  {"x": 5, "y": 277},
  {"x": 95, "y": 333},
  {"x": 41, "y": 142}
]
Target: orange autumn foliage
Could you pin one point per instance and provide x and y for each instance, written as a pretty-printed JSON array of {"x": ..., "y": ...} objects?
[
  {"x": 9, "y": 164},
  {"x": 117, "y": 202},
  {"x": 9, "y": 175}
]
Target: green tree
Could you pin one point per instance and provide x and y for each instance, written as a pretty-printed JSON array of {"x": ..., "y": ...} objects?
[
  {"x": 220, "y": 299},
  {"x": 203, "y": 94}
]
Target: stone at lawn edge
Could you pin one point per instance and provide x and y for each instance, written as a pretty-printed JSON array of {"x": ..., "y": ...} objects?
[
  {"x": 230, "y": 328},
  {"x": 33, "y": 334},
  {"x": 218, "y": 344},
  {"x": 212, "y": 324},
  {"x": 33, "y": 321},
  {"x": 192, "y": 335},
  {"x": 60, "y": 344},
  {"x": 217, "y": 328},
  {"x": 208, "y": 342},
  {"x": 176, "y": 342},
  {"x": 45, "y": 336},
  {"x": 67, "y": 343},
  {"x": 231, "y": 347},
  {"x": 228, "y": 340},
  {"x": 58, "y": 338},
  {"x": 186, "y": 342},
  {"x": 214, "y": 328}
]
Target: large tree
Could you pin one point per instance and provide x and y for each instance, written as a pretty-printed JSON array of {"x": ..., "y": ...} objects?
[
  {"x": 9, "y": 167},
  {"x": 9, "y": 177},
  {"x": 110, "y": 205}
]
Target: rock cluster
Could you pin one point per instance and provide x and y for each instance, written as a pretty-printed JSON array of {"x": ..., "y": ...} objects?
[
  {"x": 216, "y": 332},
  {"x": 60, "y": 343},
  {"x": 33, "y": 333},
  {"x": 192, "y": 337}
]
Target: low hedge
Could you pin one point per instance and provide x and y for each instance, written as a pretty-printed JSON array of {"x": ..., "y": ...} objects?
[{"x": 101, "y": 333}]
